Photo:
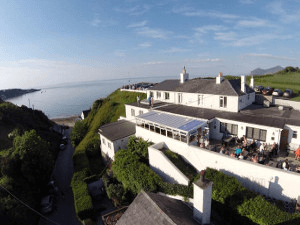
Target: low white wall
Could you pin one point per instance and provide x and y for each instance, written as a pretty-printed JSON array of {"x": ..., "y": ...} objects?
[
  {"x": 266, "y": 180},
  {"x": 288, "y": 103},
  {"x": 161, "y": 165},
  {"x": 132, "y": 90}
]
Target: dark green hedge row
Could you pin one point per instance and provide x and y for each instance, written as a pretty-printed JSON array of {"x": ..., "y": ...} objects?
[
  {"x": 82, "y": 199},
  {"x": 176, "y": 189},
  {"x": 240, "y": 205}
]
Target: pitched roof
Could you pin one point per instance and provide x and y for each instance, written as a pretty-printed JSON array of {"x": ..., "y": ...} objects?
[
  {"x": 151, "y": 208},
  {"x": 117, "y": 130},
  {"x": 203, "y": 86},
  {"x": 253, "y": 114}
]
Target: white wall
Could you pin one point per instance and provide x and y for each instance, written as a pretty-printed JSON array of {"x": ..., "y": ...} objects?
[
  {"x": 104, "y": 147},
  {"x": 270, "y": 181},
  {"x": 120, "y": 144},
  {"x": 161, "y": 165},
  {"x": 136, "y": 110},
  {"x": 244, "y": 101},
  {"x": 294, "y": 142},
  {"x": 295, "y": 105},
  {"x": 191, "y": 99},
  {"x": 133, "y": 90}
]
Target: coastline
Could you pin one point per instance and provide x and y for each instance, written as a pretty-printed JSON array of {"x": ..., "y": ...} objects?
[{"x": 68, "y": 121}]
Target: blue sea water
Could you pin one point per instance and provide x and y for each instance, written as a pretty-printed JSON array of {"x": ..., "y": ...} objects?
[{"x": 71, "y": 99}]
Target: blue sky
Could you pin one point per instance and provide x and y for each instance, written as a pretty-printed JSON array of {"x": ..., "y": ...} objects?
[{"x": 50, "y": 42}]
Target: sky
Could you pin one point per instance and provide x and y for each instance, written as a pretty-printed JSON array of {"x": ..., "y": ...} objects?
[{"x": 58, "y": 41}]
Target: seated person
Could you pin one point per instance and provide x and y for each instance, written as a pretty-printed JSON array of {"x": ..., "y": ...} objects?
[
  {"x": 232, "y": 155},
  {"x": 285, "y": 165},
  {"x": 254, "y": 159},
  {"x": 222, "y": 150},
  {"x": 262, "y": 148},
  {"x": 253, "y": 144},
  {"x": 238, "y": 150},
  {"x": 261, "y": 160},
  {"x": 297, "y": 153},
  {"x": 240, "y": 156},
  {"x": 245, "y": 140},
  {"x": 202, "y": 145}
]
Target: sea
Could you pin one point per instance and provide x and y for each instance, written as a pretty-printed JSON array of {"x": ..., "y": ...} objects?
[{"x": 64, "y": 100}]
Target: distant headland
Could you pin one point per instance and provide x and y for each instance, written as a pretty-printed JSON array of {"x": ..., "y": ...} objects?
[{"x": 12, "y": 93}]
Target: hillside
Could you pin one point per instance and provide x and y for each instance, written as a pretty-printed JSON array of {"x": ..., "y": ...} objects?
[
  {"x": 28, "y": 147},
  {"x": 260, "y": 71},
  {"x": 12, "y": 93}
]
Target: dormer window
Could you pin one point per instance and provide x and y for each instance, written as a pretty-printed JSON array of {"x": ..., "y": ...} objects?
[{"x": 223, "y": 102}]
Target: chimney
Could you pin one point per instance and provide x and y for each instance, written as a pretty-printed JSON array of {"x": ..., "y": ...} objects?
[
  {"x": 202, "y": 199},
  {"x": 219, "y": 78},
  {"x": 184, "y": 76},
  {"x": 243, "y": 83},
  {"x": 252, "y": 82}
]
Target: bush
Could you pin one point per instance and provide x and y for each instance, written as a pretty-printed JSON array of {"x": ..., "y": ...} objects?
[
  {"x": 117, "y": 193},
  {"x": 78, "y": 132},
  {"x": 176, "y": 189},
  {"x": 82, "y": 200}
]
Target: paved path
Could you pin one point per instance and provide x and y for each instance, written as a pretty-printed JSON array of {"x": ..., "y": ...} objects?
[{"x": 63, "y": 172}]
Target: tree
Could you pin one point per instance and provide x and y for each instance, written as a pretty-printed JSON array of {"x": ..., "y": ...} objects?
[
  {"x": 78, "y": 132},
  {"x": 35, "y": 158}
]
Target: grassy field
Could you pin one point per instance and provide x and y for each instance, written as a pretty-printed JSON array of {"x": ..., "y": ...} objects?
[{"x": 281, "y": 81}]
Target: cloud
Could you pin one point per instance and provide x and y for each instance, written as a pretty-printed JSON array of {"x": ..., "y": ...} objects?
[
  {"x": 253, "y": 23},
  {"x": 247, "y": 2},
  {"x": 135, "y": 10},
  {"x": 225, "y": 36},
  {"x": 205, "y": 29},
  {"x": 203, "y": 60},
  {"x": 191, "y": 12},
  {"x": 269, "y": 56},
  {"x": 120, "y": 53},
  {"x": 96, "y": 22},
  {"x": 174, "y": 50},
  {"x": 139, "y": 24},
  {"x": 285, "y": 16},
  {"x": 145, "y": 45},
  {"x": 154, "y": 63},
  {"x": 154, "y": 33},
  {"x": 257, "y": 39}
]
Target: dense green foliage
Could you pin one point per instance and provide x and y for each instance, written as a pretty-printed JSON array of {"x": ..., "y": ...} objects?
[
  {"x": 86, "y": 158},
  {"x": 78, "y": 132},
  {"x": 234, "y": 202},
  {"x": 133, "y": 174},
  {"x": 83, "y": 204},
  {"x": 26, "y": 160},
  {"x": 139, "y": 147}
]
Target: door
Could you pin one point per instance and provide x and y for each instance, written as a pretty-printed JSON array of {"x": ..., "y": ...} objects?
[{"x": 284, "y": 139}]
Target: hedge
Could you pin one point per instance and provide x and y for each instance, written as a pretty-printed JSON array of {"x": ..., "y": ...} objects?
[
  {"x": 176, "y": 189},
  {"x": 82, "y": 199}
]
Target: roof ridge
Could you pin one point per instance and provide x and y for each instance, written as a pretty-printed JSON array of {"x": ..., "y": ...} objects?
[{"x": 158, "y": 208}]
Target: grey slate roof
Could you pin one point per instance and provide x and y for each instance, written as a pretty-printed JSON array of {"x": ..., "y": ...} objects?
[
  {"x": 255, "y": 114},
  {"x": 152, "y": 209},
  {"x": 117, "y": 130},
  {"x": 203, "y": 86}
]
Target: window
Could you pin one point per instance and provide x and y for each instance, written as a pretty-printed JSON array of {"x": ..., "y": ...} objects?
[
  {"x": 151, "y": 94},
  {"x": 200, "y": 99},
  {"x": 294, "y": 134},
  {"x": 256, "y": 133},
  {"x": 223, "y": 102},
  {"x": 103, "y": 141},
  {"x": 230, "y": 128},
  {"x": 158, "y": 94},
  {"x": 179, "y": 97},
  {"x": 132, "y": 112},
  {"x": 167, "y": 95},
  {"x": 140, "y": 112},
  {"x": 109, "y": 145}
]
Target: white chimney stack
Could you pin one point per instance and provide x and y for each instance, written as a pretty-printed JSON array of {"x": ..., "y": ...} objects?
[
  {"x": 184, "y": 76},
  {"x": 252, "y": 82},
  {"x": 202, "y": 199},
  {"x": 219, "y": 78},
  {"x": 243, "y": 83}
]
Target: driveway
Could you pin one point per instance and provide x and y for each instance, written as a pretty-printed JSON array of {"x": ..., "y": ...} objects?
[{"x": 64, "y": 214}]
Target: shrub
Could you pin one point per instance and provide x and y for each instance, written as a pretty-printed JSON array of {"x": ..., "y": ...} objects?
[
  {"x": 176, "y": 189},
  {"x": 82, "y": 199},
  {"x": 116, "y": 192},
  {"x": 78, "y": 132}
]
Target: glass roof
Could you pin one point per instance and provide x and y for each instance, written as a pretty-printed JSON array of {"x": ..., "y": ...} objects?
[{"x": 172, "y": 121}]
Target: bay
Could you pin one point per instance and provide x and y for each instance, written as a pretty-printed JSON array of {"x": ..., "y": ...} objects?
[{"x": 71, "y": 99}]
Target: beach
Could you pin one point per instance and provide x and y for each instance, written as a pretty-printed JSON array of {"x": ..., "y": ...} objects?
[{"x": 67, "y": 121}]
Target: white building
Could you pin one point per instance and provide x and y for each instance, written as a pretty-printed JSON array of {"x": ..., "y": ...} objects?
[{"x": 114, "y": 136}]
